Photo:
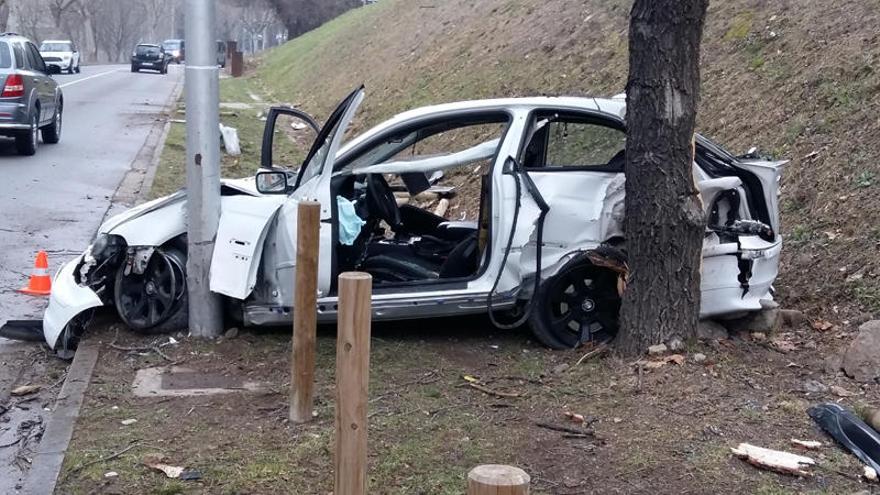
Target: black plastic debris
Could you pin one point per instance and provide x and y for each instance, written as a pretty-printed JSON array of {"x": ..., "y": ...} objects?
[
  {"x": 849, "y": 431},
  {"x": 190, "y": 475},
  {"x": 25, "y": 330}
]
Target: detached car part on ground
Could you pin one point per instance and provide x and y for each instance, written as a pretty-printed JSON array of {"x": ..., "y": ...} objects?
[{"x": 551, "y": 202}]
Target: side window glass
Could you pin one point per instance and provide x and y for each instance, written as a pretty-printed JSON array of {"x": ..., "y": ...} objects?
[
  {"x": 36, "y": 59},
  {"x": 20, "y": 59},
  {"x": 580, "y": 144}
]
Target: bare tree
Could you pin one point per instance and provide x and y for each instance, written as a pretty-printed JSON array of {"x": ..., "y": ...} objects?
[
  {"x": 4, "y": 14},
  {"x": 300, "y": 16},
  {"x": 60, "y": 7},
  {"x": 664, "y": 214},
  {"x": 30, "y": 16},
  {"x": 118, "y": 26}
]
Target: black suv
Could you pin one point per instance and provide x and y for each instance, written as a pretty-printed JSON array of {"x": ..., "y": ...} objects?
[
  {"x": 147, "y": 56},
  {"x": 30, "y": 101}
]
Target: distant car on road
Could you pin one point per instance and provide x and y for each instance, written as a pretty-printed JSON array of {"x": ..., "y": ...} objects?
[
  {"x": 62, "y": 53},
  {"x": 147, "y": 56},
  {"x": 30, "y": 101},
  {"x": 176, "y": 50}
]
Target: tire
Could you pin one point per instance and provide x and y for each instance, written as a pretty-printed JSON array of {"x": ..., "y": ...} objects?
[
  {"x": 578, "y": 304},
  {"x": 52, "y": 132},
  {"x": 26, "y": 143},
  {"x": 155, "y": 301}
]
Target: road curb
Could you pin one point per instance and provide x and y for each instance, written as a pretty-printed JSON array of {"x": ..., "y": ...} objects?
[{"x": 46, "y": 465}]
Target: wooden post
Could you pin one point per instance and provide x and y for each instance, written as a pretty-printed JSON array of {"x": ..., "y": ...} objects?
[
  {"x": 352, "y": 380},
  {"x": 302, "y": 359},
  {"x": 496, "y": 479}
]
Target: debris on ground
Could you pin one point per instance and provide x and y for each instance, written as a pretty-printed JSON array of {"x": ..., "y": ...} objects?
[
  {"x": 656, "y": 350},
  {"x": 595, "y": 352},
  {"x": 783, "y": 343},
  {"x": 774, "y": 460},
  {"x": 699, "y": 358},
  {"x": 475, "y": 384},
  {"x": 861, "y": 361},
  {"x": 128, "y": 422},
  {"x": 675, "y": 344},
  {"x": 230, "y": 140},
  {"x": 822, "y": 325},
  {"x": 111, "y": 474},
  {"x": 158, "y": 462},
  {"x": 574, "y": 417},
  {"x": 25, "y": 390},
  {"x": 807, "y": 444},
  {"x": 842, "y": 392},
  {"x": 849, "y": 431},
  {"x": 814, "y": 387},
  {"x": 870, "y": 474}
]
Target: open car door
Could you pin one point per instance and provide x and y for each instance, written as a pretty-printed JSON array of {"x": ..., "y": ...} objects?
[{"x": 312, "y": 183}]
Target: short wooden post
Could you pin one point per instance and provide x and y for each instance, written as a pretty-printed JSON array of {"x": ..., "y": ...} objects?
[
  {"x": 302, "y": 359},
  {"x": 496, "y": 479},
  {"x": 352, "y": 380}
]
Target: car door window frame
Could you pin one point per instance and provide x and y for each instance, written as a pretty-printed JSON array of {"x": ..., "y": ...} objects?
[{"x": 590, "y": 117}]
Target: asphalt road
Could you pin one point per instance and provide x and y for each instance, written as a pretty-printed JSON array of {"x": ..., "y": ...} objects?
[{"x": 55, "y": 201}]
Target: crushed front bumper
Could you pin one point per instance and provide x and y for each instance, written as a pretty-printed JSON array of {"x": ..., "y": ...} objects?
[{"x": 68, "y": 299}]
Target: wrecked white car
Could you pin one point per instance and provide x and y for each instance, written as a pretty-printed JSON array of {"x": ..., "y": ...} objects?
[{"x": 546, "y": 175}]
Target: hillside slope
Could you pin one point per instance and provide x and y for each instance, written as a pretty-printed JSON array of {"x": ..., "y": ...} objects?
[{"x": 796, "y": 79}]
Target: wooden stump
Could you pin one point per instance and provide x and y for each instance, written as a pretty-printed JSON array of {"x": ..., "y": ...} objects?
[
  {"x": 497, "y": 479},
  {"x": 302, "y": 360},
  {"x": 352, "y": 380}
]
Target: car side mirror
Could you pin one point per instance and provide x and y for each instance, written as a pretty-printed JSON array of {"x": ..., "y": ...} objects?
[
  {"x": 54, "y": 69},
  {"x": 272, "y": 182}
]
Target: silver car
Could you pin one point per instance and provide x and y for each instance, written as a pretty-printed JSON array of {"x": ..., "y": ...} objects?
[{"x": 31, "y": 101}]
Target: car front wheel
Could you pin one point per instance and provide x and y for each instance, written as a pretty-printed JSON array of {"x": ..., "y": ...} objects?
[
  {"x": 579, "y": 304},
  {"x": 154, "y": 301},
  {"x": 26, "y": 143},
  {"x": 52, "y": 132}
]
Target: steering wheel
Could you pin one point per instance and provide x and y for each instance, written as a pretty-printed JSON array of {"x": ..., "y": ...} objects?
[{"x": 381, "y": 201}]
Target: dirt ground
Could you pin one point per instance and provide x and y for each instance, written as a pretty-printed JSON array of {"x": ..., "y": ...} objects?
[{"x": 664, "y": 430}]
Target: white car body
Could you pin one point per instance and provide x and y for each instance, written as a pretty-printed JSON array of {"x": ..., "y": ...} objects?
[
  {"x": 254, "y": 255},
  {"x": 61, "y": 53}
]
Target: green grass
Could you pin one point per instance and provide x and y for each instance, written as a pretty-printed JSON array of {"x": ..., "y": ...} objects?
[{"x": 740, "y": 26}]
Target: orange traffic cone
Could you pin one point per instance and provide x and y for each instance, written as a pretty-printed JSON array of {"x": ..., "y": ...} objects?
[{"x": 40, "y": 283}]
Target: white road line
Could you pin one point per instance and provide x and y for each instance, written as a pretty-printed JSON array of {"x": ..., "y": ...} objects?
[{"x": 71, "y": 83}]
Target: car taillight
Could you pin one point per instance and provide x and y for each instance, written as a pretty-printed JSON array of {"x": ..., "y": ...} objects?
[{"x": 14, "y": 87}]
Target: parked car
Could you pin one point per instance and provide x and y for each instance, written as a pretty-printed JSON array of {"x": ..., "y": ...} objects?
[
  {"x": 176, "y": 50},
  {"x": 62, "y": 53},
  {"x": 31, "y": 101},
  {"x": 544, "y": 240},
  {"x": 147, "y": 56}
]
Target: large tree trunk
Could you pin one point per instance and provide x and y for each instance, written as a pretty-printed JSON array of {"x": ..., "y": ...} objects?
[{"x": 664, "y": 216}]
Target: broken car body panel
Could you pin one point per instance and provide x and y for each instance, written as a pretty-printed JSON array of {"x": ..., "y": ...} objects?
[{"x": 254, "y": 259}]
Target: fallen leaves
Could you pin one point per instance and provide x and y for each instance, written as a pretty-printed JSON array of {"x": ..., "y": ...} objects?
[{"x": 822, "y": 325}]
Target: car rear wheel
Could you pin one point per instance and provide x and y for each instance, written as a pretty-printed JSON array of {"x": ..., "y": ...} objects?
[
  {"x": 52, "y": 132},
  {"x": 26, "y": 143},
  {"x": 154, "y": 301},
  {"x": 579, "y": 304}
]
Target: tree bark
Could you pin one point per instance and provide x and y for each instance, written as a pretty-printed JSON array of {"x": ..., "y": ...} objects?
[{"x": 664, "y": 220}]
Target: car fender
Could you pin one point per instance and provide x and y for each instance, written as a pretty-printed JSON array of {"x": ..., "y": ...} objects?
[
  {"x": 67, "y": 300},
  {"x": 151, "y": 224}
]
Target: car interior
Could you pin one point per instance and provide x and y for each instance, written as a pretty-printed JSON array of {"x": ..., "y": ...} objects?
[{"x": 422, "y": 195}]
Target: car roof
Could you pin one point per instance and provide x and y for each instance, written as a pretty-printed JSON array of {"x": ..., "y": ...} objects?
[
  {"x": 148, "y": 44},
  {"x": 13, "y": 37},
  {"x": 57, "y": 41},
  {"x": 615, "y": 106}
]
